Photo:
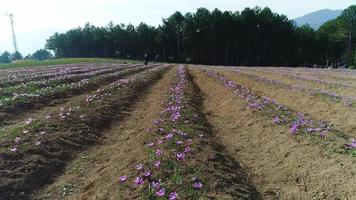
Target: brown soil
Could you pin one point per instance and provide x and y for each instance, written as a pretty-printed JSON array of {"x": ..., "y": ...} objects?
[
  {"x": 15, "y": 113},
  {"x": 282, "y": 166},
  {"x": 27, "y": 171},
  {"x": 94, "y": 173},
  {"x": 321, "y": 110},
  {"x": 349, "y": 92}
]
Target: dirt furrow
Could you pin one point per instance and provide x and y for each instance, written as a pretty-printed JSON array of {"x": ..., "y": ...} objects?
[
  {"x": 44, "y": 104},
  {"x": 27, "y": 170},
  {"x": 94, "y": 173},
  {"x": 282, "y": 166},
  {"x": 331, "y": 112}
]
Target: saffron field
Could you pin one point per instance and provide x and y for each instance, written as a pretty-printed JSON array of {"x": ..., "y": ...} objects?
[{"x": 159, "y": 131}]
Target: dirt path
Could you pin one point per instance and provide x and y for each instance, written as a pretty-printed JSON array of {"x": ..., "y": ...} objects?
[
  {"x": 94, "y": 173},
  {"x": 283, "y": 167}
]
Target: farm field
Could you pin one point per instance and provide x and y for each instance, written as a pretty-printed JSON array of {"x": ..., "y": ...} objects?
[{"x": 132, "y": 131}]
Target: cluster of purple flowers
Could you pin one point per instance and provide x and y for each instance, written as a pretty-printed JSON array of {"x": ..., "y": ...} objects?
[
  {"x": 347, "y": 101},
  {"x": 50, "y": 87},
  {"x": 281, "y": 114},
  {"x": 67, "y": 114},
  {"x": 168, "y": 144},
  {"x": 352, "y": 145},
  {"x": 18, "y": 140}
]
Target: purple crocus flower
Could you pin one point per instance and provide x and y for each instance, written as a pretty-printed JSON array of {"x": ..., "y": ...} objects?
[
  {"x": 151, "y": 144},
  {"x": 159, "y": 152},
  {"x": 13, "y": 149},
  {"x": 187, "y": 149},
  {"x": 139, "y": 166},
  {"x": 173, "y": 196},
  {"x": 158, "y": 163},
  {"x": 161, "y": 192},
  {"x": 169, "y": 136},
  {"x": 138, "y": 180},
  {"x": 180, "y": 156},
  {"x": 353, "y": 144},
  {"x": 294, "y": 128},
  {"x": 155, "y": 184},
  {"x": 197, "y": 185},
  {"x": 122, "y": 178},
  {"x": 147, "y": 173},
  {"x": 276, "y": 120}
]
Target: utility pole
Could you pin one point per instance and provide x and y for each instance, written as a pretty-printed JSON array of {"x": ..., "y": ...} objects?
[{"x": 11, "y": 16}]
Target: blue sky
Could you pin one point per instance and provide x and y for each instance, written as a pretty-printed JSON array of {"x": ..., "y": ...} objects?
[{"x": 36, "y": 20}]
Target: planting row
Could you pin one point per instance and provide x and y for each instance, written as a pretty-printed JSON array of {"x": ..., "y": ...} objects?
[
  {"x": 42, "y": 146},
  {"x": 177, "y": 147},
  {"x": 44, "y": 96},
  {"x": 36, "y": 86},
  {"x": 329, "y": 83},
  {"x": 347, "y": 101},
  {"x": 282, "y": 115},
  {"x": 25, "y": 75}
]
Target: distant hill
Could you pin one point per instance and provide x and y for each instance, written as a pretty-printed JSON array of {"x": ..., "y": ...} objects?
[{"x": 318, "y": 18}]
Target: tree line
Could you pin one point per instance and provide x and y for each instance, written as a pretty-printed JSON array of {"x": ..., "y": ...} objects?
[
  {"x": 41, "y": 54},
  {"x": 254, "y": 36}
]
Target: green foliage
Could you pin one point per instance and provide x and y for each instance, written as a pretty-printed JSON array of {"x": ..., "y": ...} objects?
[
  {"x": 5, "y": 57},
  {"x": 42, "y": 54},
  {"x": 256, "y": 36},
  {"x": 16, "y": 56}
]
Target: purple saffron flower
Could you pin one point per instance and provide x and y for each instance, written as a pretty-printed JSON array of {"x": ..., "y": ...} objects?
[
  {"x": 187, "y": 149},
  {"x": 198, "y": 185},
  {"x": 173, "y": 196},
  {"x": 179, "y": 142},
  {"x": 156, "y": 185},
  {"x": 353, "y": 144},
  {"x": 158, "y": 163},
  {"x": 148, "y": 130},
  {"x": 151, "y": 144},
  {"x": 161, "y": 192},
  {"x": 159, "y": 142},
  {"x": 294, "y": 128},
  {"x": 139, "y": 166},
  {"x": 13, "y": 149},
  {"x": 122, "y": 178},
  {"x": 276, "y": 120},
  {"x": 147, "y": 173},
  {"x": 180, "y": 156},
  {"x": 169, "y": 136},
  {"x": 159, "y": 152},
  {"x": 138, "y": 181}
]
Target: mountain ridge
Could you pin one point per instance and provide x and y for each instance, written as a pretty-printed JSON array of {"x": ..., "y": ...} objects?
[{"x": 317, "y": 18}]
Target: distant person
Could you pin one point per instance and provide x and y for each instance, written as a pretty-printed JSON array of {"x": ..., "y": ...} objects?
[
  {"x": 157, "y": 57},
  {"x": 146, "y": 59}
]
